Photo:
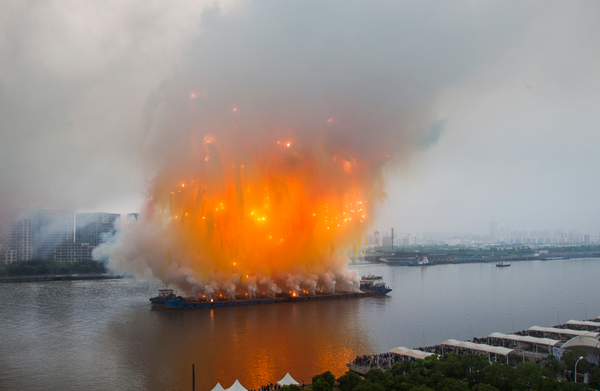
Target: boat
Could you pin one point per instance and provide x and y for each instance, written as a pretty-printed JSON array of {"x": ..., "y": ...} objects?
[
  {"x": 369, "y": 286},
  {"x": 163, "y": 295},
  {"x": 503, "y": 264}
]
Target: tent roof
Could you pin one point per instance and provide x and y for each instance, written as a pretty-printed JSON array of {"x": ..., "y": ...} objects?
[
  {"x": 586, "y": 323},
  {"x": 562, "y": 331},
  {"x": 581, "y": 342},
  {"x": 218, "y": 387},
  {"x": 524, "y": 338},
  {"x": 478, "y": 346},
  {"x": 287, "y": 380},
  {"x": 418, "y": 354},
  {"x": 236, "y": 387}
]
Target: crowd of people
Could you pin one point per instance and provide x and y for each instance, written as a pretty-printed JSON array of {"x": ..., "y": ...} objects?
[
  {"x": 273, "y": 387},
  {"x": 381, "y": 361}
]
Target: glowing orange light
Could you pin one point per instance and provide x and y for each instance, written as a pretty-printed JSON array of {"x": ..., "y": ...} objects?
[
  {"x": 234, "y": 109},
  {"x": 211, "y": 300},
  {"x": 288, "y": 144},
  {"x": 206, "y": 159},
  {"x": 330, "y": 120},
  {"x": 192, "y": 95}
]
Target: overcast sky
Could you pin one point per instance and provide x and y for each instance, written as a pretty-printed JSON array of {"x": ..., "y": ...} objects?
[{"x": 507, "y": 96}]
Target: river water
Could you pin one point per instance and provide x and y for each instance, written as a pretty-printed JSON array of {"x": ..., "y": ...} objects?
[{"x": 99, "y": 335}]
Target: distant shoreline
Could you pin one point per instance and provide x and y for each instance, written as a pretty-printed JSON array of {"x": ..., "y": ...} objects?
[
  {"x": 61, "y": 277},
  {"x": 375, "y": 260}
]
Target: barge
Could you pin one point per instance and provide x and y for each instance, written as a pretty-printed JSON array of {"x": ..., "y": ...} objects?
[{"x": 369, "y": 286}]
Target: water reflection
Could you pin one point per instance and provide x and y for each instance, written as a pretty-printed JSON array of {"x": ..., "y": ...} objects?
[
  {"x": 253, "y": 344},
  {"x": 99, "y": 335}
]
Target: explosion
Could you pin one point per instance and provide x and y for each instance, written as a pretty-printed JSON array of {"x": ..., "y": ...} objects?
[
  {"x": 277, "y": 218},
  {"x": 265, "y": 156}
]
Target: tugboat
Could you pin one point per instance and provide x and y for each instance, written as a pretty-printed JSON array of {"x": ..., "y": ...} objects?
[
  {"x": 373, "y": 285},
  {"x": 503, "y": 264},
  {"x": 163, "y": 295}
]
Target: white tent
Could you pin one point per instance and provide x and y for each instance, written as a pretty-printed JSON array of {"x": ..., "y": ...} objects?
[
  {"x": 287, "y": 380},
  {"x": 218, "y": 387},
  {"x": 417, "y": 354},
  {"x": 588, "y": 343},
  {"x": 236, "y": 387}
]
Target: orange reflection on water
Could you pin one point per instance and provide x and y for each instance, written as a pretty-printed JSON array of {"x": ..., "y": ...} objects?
[{"x": 258, "y": 344}]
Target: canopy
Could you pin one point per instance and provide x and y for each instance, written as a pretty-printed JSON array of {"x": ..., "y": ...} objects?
[
  {"x": 236, "y": 387},
  {"x": 563, "y": 331},
  {"x": 287, "y": 380},
  {"x": 526, "y": 339},
  {"x": 218, "y": 387},
  {"x": 589, "y": 344},
  {"x": 586, "y": 323},
  {"x": 417, "y": 354},
  {"x": 478, "y": 347}
]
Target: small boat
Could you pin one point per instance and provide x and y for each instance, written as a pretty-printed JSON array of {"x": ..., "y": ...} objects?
[{"x": 503, "y": 264}]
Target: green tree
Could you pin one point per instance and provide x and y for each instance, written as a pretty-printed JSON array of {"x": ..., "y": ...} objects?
[
  {"x": 450, "y": 366},
  {"x": 321, "y": 384},
  {"x": 366, "y": 385},
  {"x": 473, "y": 366},
  {"x": 452, "y": 385},
  {"x": 326, "y": 377},
  {"x": 595, "y": 378},
  {"x": 570, "y": 357},
  {"x": 375, "y": 376},
  {"x": 483, "y": 387},
  {"x": 291, "y": 387},
  {"x": 348, "y": 381},
  {"x": 550, "y": 366},
  {"x": 500, "y": 376}
]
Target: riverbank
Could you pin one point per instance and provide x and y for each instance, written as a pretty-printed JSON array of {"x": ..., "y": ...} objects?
[{"x": 67, "y": 277}]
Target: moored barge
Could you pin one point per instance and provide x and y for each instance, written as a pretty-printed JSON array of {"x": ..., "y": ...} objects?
[{"x": 368, "y": 287}]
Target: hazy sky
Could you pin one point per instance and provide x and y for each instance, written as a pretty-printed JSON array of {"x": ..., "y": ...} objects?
[{"x": 504, "y": 95}]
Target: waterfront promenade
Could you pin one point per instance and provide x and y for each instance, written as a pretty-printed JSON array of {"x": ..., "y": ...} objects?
[{"x": 533, "y": 344}]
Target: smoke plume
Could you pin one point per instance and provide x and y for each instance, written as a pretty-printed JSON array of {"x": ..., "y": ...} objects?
[{"x": 269, "y": 151}]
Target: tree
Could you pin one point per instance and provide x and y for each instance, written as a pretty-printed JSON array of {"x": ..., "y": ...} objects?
[
  {"x": 366, "y": 385},
  {"x": 348, "y": 381},
  {"x": 500, "y": 376},
  {"x": 327, "y": 377},
  {"x": 291, "y": 387},
  {"x": 483, "y": 387},
  {"x": 473, "y": 366},
  {"x": 595, "y": 378},
  {"x": 570, "y": 357},
  {"x": 321, "y": 385},
  {"x": 375, "y": 376},
  {"x": 550, "y": 366}
]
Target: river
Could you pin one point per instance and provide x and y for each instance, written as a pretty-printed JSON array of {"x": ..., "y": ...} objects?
[{"x": 99, "y": 335}]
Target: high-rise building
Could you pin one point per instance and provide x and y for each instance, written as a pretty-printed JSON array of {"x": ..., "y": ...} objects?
[
  {"x": 7, "y": 255},
  {"x": 72, "y": 252},
  {"x": 49, "y": 228},
  {"x": 91, "y": 228},
  {"x": 374, "y": 239},
  {"x": 20, "y": 239},
  {"x": 491, "y": 229}
]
